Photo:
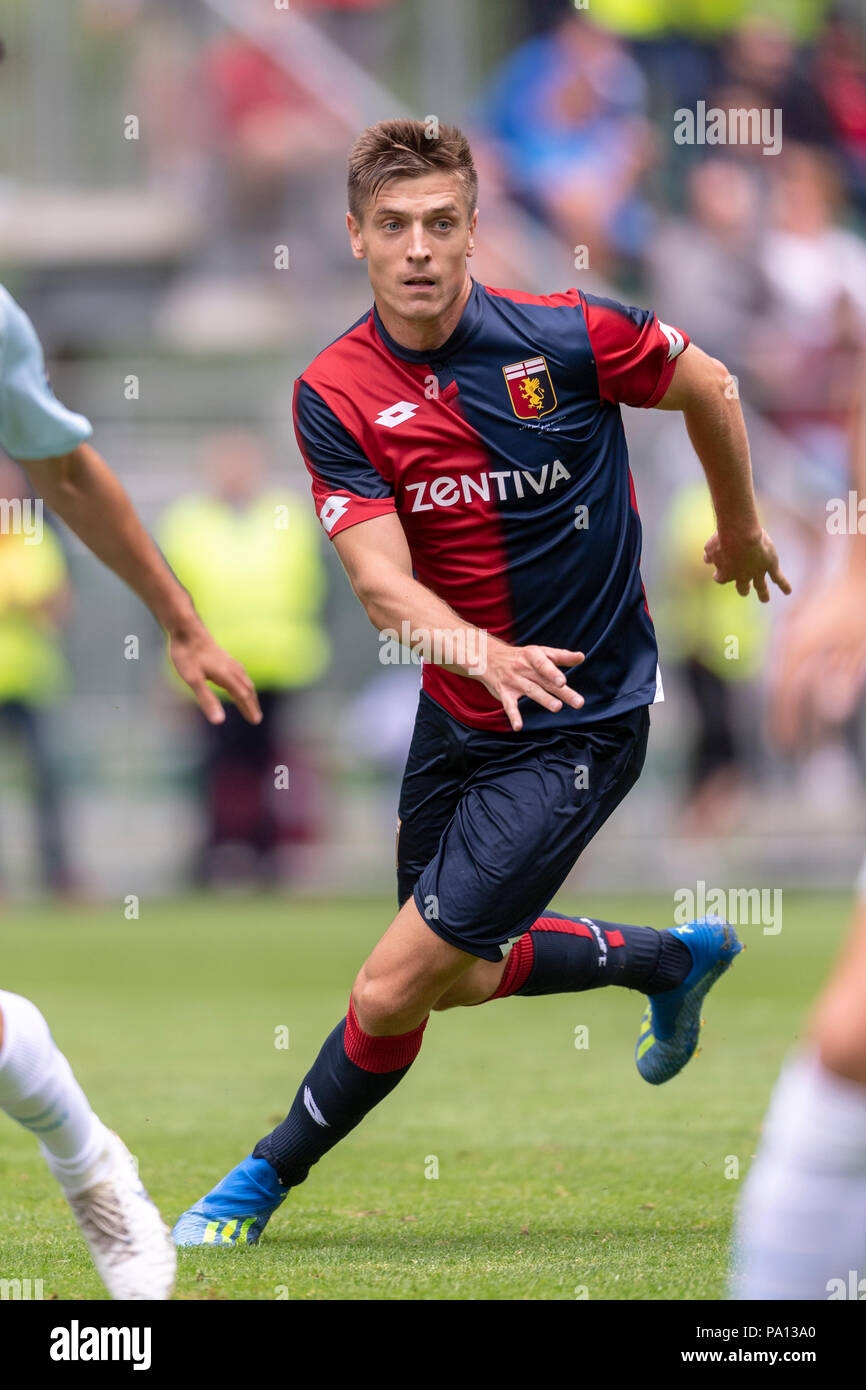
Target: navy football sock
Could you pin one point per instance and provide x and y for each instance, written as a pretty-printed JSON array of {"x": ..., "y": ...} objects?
[
  {"x": 351, "y": 1074},
  {"x": 561, "y": 955}
]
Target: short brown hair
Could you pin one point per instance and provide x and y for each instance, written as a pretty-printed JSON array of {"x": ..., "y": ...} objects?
[{"x": 407, "y": 149}]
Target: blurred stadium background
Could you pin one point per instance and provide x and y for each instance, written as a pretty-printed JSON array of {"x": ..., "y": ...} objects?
[{"x": 158, "y": 161}]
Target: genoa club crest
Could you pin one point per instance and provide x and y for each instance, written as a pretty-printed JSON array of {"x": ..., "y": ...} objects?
[{"x": 530, "y": 388}]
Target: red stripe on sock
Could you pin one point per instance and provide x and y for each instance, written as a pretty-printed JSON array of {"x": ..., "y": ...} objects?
[
  {"x": 380, "y": 1054},
  {"x": 518, "y": 964},
  {"x": 564, "y": 924}
]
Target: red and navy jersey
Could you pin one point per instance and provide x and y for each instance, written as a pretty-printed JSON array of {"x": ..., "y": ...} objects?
[{"x": 503, "y": 453}]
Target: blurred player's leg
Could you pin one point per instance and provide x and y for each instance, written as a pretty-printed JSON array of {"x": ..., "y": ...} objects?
[
  {"x": 801, "y": 1230},
  {"x": 126, "y": 1235}
]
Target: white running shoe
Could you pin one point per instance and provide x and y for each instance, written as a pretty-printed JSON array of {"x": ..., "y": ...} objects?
[{"x": 130, "y": 1243}]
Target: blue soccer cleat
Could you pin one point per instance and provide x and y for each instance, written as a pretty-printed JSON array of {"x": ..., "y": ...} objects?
[
  {"x": 237, "y": 1210},
  {"x": 672, "y": 1021}
]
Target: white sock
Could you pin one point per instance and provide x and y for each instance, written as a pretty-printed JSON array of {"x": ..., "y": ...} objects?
[
  {"x": 38, "y": 1089},
  {"x": 802, "y": 1218}
]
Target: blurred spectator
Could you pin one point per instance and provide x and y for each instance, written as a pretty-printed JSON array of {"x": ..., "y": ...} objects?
[
  {"x": 34, "y": 601},
  {"x": 673, "y": 41},
  {"x": 567, "y": 113},
  {"x": 807, "y": 341},
  {"x": 763, "y": 67},
  {"x": 270, "y": 143},
  {"x": 230, "y": 125},
  {"x": 840, "y": 76},
  {"x": 717, "y": 641},
  {"x": 379, "y": 721},
  {"x": 364, "y": 28},
  {"x": 703, "y": 266},
  {"x": 251, "y": 557}
]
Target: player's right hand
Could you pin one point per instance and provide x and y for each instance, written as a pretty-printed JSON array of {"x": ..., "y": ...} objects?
[
  {"x": 746, "y": 560},
  {"x": 511, "y": 672},
  {"x": 197, "y": 660}
]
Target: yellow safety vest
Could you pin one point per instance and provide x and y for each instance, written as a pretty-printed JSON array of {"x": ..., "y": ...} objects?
[
  {"x": 696, "y": 616},
  {"x": 648, "y": 19},
  {"x": 32, "y": 667},
  {"x": 257, "y": 577}
]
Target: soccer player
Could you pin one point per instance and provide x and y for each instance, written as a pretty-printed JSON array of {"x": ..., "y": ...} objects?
[
  {"x": 130, "y": 1245},
  {"x": 801, "y": 1228},
  {"x": 468, "y": 460}
]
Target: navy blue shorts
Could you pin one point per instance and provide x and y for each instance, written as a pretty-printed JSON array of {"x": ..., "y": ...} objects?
[{"x": 491, "y": 824}]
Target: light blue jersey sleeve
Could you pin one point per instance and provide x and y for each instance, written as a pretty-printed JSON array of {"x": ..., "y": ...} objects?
[{"x": 33, "y": 422}]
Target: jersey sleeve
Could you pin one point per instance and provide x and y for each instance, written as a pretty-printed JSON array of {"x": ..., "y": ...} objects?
[
  {"x": 346, "y": 487},
  {"x": 635, "y": 353},
  {"x": 34, "y": 424}
]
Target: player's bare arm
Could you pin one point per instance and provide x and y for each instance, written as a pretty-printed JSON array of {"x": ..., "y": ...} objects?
[
  {"x": 83, "y": 491},
  {"x": 740, "y": 550},
  {"x": 822, "y": 665},
  {"x": 376, "y": 558}
]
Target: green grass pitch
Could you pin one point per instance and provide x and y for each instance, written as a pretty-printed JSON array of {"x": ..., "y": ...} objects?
[{"x": 560, "y": 1173}]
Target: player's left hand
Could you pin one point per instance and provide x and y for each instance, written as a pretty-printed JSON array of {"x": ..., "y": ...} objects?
[
  {"x": 197, "y": 660},
  {"x": 748, "y": 561}
]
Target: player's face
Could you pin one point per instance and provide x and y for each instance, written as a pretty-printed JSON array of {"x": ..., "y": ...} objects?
[{"x": 415, "y": 236}]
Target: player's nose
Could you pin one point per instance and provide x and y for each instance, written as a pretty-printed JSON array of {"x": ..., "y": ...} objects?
[{"x": 418, "y": 249}]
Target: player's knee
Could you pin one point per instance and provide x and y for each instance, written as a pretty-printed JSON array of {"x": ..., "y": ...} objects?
[
  {"x": 24, "y": 1016},
  {"x": 839, "y": 1034},
  {"x": 446, "y": 1001},
  {"x": 378, "y": 1002},
  {"x": 844, "y": 1057},
  {"x": 474, "y": 987}
]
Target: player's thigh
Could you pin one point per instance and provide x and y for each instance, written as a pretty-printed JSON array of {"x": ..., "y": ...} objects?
[
  {"x": 839, "y": 1023},
  {"x": 521, "y": 824}
]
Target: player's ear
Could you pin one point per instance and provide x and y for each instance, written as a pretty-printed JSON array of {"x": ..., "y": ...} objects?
[
  {"x": 355, "y": 237},
  {"x": 473, "y": 222}
]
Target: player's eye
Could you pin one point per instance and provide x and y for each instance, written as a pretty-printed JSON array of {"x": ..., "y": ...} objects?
[
  {"x": 444, "y": 224},
  {"x": 389, "y": 224}
]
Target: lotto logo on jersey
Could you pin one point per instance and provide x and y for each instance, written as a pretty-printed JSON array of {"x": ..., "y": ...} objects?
[
  {"x": 332, "y": 509},
  {"x": 675, "y": 339},
  {"x": 530, "y": 388},
  {"x": 396, "y": 414}
]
